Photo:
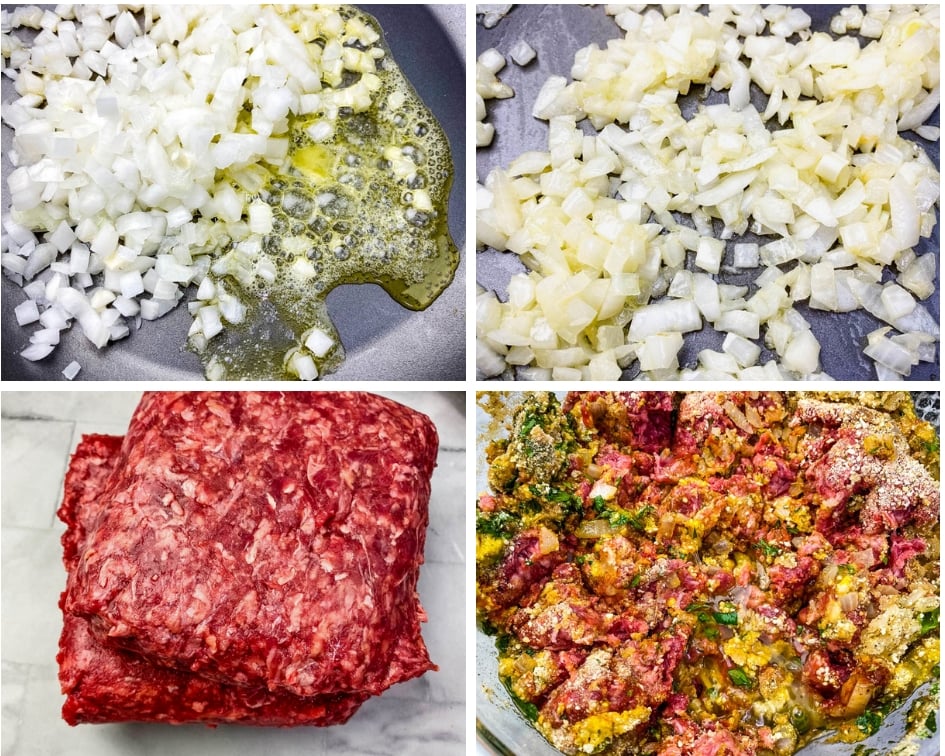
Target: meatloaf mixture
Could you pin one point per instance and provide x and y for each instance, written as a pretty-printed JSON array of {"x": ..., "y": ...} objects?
[
  {"x": 709, "y": 573},
  {"x": 245, "y": 557}
]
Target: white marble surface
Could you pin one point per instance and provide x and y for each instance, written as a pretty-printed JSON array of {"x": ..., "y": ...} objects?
[{"x": 425, "y": 716}]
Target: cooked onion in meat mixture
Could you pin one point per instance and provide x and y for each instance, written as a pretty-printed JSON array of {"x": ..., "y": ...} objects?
[{"x": 711, "y": 573}]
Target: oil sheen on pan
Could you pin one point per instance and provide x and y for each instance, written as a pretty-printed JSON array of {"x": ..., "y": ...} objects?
[{"x": 249, "y": 184}]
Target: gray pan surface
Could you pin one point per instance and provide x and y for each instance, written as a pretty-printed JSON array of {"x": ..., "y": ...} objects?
[
  {"x": 383, "y": 340},
  {"x": 556, "y": 32}
]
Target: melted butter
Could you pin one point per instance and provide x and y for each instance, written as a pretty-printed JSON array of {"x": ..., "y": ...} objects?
[
  {"x": 367, "y": 204},
  {"x": 315, "y": 162}
]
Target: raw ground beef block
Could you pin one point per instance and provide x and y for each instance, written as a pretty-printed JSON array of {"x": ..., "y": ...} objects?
[
  {"x": 105, "y": 684},
  {"x": 110, "y": 685},
  {"x": 255, "y": 554},
  {"x": 89, "y": 468}
]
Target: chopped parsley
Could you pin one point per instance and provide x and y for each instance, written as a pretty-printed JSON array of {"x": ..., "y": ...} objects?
[
  {"x": 638, "y": 519},
  {"x": 501, "y": 524},
  {"x": 740, "y": 678},
  {"x": 930, "y": 724},
  {"x": 526, "y": 707},
  {"x": 618, "y": 517},
  {"x": 488, "y": 627},
  {"x": 528, "y": 424},
  {"x": 726, "y": 618},
  {"x": 701, "y": 610},
  {"x": 769, "y": 550},
  {"x": 544, "y": 493},
  {"x": 556, "y": 494},
  {"x": 568, "y": 501},
  {"x": 709, "y": 617},
  {"x": 929, "y": 621},
  {"x": 869, "y": 722}
]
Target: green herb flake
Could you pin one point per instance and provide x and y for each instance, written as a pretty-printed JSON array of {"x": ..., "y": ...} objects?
[
  {"x": 869, "y": 722},
  {"x": 930, "y": 724},
  {"x": 618, "y": 519},
  {"x": 769, "y": 550},
  {"x": 929, "y": 621},
  {"x": 638, "y": 519},
  {"x": 488, "y": 627},
  {"x": 526, "y": 707},
  {"x": 570, "y": 503},
  {"x": 559, "y": 496},
  {"x": 726, "y": 618},
  {"x": 530, "y": 422},
  {"x": 740, "y": 678},
  {"x": 501, "y": 524}
]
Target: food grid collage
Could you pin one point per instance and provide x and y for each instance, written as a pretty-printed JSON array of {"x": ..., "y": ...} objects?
[{"x": 647, "y": 464}]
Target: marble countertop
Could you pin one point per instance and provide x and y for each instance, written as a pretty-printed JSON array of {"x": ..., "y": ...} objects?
[{"x": 39, "y": 432}]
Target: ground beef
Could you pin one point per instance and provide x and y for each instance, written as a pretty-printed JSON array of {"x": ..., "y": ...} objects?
[
  {"x": 637, "y": 419},
  {"x": 105, "y": 684},
  {"x": 563, "y": 616},
  {"x": 727, "y": 579},
  {"x": 248, "y": 557}
]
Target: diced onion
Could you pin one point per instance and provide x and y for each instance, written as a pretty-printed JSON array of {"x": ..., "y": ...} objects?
[
  {"x": 590, "y": 529},
  {"x": 522, "y": 53},
  {"x": 36, "y": 352},
  {"x": 137, "y": 156},
  {"x": 488, "y": 87},
  {"x": 26, "y": 312},
  {"x": 71, "y": 370},
  {"x": 604, "y": 490},
  {"x": 821, "y": 174},
  {"x": 318, "y": 342}
]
